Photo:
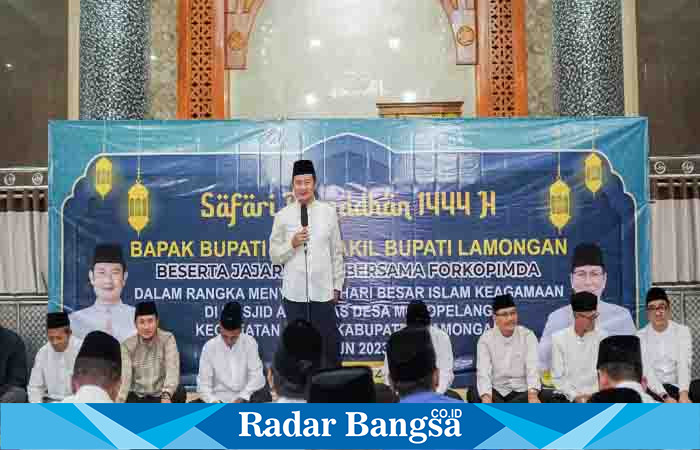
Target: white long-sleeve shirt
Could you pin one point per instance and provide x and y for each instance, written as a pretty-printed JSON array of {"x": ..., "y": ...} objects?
[
  {"x": 444, "y": 360},
  {"x": 114, "y": 319},
  {"x": 613, "y": 320},
  {"x": 52, "y": 372},
  {"x": 325, "y": 252},
  {"x": 646, "y": 398},
  {"x": 667, "y": 356},
  {"x": 227, "y": 373},
  {"x": 574, "y": 361},
  {"x": 507, "y": 364}
]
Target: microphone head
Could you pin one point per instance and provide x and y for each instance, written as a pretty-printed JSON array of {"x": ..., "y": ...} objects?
[{"x": 304, "y": 216}]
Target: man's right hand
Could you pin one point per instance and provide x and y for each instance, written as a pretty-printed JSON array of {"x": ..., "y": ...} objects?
[
  {"x": 486, "y": 398},
  {"x": 300, "y": 237}
]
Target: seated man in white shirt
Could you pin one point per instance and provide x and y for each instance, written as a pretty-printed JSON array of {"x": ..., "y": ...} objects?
[
  {"x": 418, "y": 316},
  {"x": 620, "y": 365},
  {"x": 98, "y": 370},
  {"x": 667, "y": 352},
  {"x": 53, "y": 366},
  {"x": 297, "y": 358},
  {"x": 575, "y": 351},
  {"x": 506, "y": 358},
  {"x": 230, "y": 369},
  {"x": 587, "y": 275}
]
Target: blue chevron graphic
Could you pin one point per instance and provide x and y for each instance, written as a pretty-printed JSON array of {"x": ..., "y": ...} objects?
[
  {"x": 153, "y": 415},
  {"x": 55, "y": 432},
  {"x": 548, "y": 415},
  {"x": 195, "y": 439},
  {"x": 531, "y": 432},
  {"x": 69, "y": 412},
  {"x": 648, "y": 431},
  {"x": 164, "y": 434},
  {"x": 506, "y": 438},
  {"x": 120, "y": 436},
  {"x": 632, "y": 411},
  {"x": 582, "y": 435}
]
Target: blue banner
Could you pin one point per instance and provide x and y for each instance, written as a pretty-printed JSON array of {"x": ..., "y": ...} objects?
[
  {"x": 348, "y": 426},
  {"x": 452, "y": 212}
]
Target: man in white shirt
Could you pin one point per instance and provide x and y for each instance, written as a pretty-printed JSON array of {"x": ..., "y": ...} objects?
[
  {"x": 296, "y": 359},
  {"x": 107, "y": 277},
  {"x": 315, "y": 250},
  {"x": 506, "y": 358},
  {"x": 667, "y": 352},
  {"x": 98, "y": 370},
  {"x": 620, "y": 365},
  {"x": 230, "y": 369},
  {"x": 51, "y": 376},
  {"x": 575, "y": 351},
  {"x": 587, "y": 275},
  {"x": 418, "y": 316}
]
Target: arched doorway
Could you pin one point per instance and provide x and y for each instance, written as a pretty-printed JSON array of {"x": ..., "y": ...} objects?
[
  {"x": 338, "y": 59},
  {"x": 203, "y": 88}
]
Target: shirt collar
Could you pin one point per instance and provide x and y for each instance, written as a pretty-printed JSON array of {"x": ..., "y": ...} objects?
[
  {"x": 661, "y": 333},
  {"x": 309, "y": 205},
  {"x": 631, "y": 385},
  {"x": 103, "y": 306},
  {"x": 506, "y": 338},
  {"x": 72, "y": 344},
  {"x": 95, "y": 393},
  {"x": 233, "y": 347},
  {"x": 141, "y": 341},
  {"x": 290, "y": 400}
]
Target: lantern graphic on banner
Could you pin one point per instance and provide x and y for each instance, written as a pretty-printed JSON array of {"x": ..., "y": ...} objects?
[
  {"x": 103, "y": 176},
  {"x": 594, "y": 172},
  {"x": 559, "y": 204},
  {"x": 559, "y": 200},
  {"x": 139, "y": 203},
  {"x": 138, "y": 206}
]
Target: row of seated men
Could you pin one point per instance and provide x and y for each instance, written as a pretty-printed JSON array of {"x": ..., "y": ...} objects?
[
  {"x": 296, "y": 376},
  {"x": 507, "y": 364}
]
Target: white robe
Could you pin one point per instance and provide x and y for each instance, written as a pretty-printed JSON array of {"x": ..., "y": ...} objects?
[
  {"x": 226, "y": 374},
  {"x": 574, "y": 361},
  {"x": 114, "y": 319},
  {"x": 324, "y": 252},
  {"x": 613, "y": 320},
  {"x": 52, "y": 372},
  {"x": 667, "y": 356},
  {"x": 507, "y": 364}
]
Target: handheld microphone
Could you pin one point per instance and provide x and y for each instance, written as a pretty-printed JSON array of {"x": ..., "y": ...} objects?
[
  {"x": 304, "y": 219},
  {"x": 304, "y": 216},
  {"x": 305, "y": 223}
]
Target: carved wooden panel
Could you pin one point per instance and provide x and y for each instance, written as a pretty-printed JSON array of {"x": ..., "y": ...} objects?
[
  {"x": 502, "y": 68},
  {"x": 240, "y": 17},
  {"x": 462, "y": 16},
  {"x": 201, "y": 77}
]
